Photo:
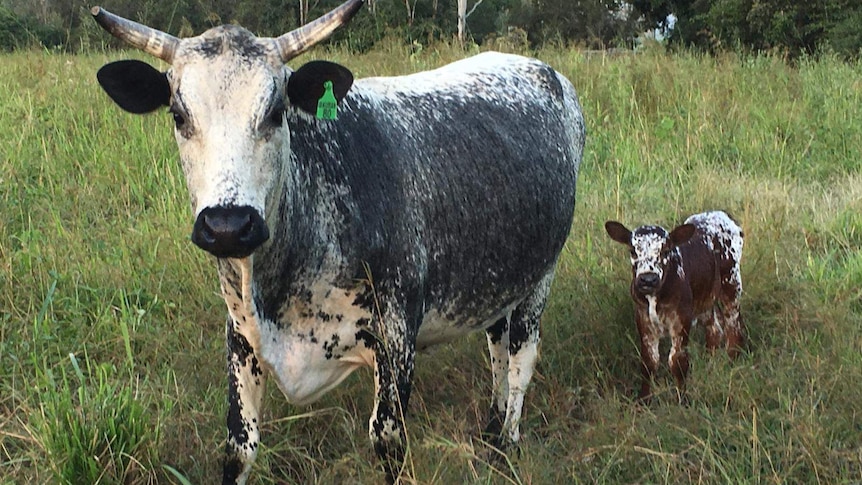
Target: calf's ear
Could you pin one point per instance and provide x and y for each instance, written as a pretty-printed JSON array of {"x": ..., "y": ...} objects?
[
  {"x": 135, "y": 86},
  {"x": 681, "y": 234},
  {"x": 306, "y": 85},
  {"x": 618, "y": 232}
]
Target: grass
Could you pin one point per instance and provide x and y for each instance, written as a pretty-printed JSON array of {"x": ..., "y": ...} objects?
[
  {"x": 91, "y": 430},
  {"x": 111, "y": 328}
]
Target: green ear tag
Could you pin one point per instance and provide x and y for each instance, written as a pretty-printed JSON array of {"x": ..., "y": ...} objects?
[{"x": 327, "y": 105}]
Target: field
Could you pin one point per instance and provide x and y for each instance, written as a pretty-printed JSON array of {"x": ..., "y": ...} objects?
[{"x": 111, "y": 326}]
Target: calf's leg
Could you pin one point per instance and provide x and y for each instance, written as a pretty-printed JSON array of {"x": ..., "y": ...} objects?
[
  {"x": 731, "y": 319},
  {"x": 712, "y": 326},
  {"x": 678, "y": 355},
  {"x": 729, "y": 297},
  {"x": 649, "y": 353},
  {"x": 728, "y": 313}
]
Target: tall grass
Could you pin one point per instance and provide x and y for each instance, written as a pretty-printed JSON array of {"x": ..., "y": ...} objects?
[
  {"x": 95, "y": 261},
  {"x": 92, "y": 429}
]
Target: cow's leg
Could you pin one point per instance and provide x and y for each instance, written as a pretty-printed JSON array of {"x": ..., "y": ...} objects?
[
  {"x": 523, "y": 353},
  {"x": 246, "y": 382},
  {"x": 498, "y": 348},
  {"x": 677, "y": 358},
  {"x": 394, "y": 354},
  {"x": 649, "y": 353}
]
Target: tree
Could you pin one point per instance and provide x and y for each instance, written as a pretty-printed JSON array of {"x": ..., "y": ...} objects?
[
  {"x": 462, "y": 18},
  {"x": 845, "y": 35},
  {"x": 792, "y": 26},
  {"x": 23, "y": 27},
  {"x": 592, "y": 23},
  {"x": 595, "y": 23}
]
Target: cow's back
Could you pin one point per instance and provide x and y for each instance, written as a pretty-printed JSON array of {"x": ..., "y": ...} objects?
[{"x": 461, "y": 179}]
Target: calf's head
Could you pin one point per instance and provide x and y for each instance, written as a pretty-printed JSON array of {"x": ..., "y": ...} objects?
[
  {"x": 653, "y": 250},
  {"x": 228, "y": 93}
]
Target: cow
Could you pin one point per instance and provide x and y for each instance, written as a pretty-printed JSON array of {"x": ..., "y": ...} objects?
[
  {"x": 354, "y": 223},
  {"x": 691, "y": 273}
]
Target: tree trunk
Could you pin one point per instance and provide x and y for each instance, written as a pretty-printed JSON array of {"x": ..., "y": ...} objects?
[
  {"x": 462, "y": 20},
  {"x": 411, "y": 12},
  {"x": 303, "y": 12}
]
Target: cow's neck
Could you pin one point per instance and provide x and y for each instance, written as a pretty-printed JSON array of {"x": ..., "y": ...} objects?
[
  {"x": 303, "y": 244},
  {"x": 236, "y": 278}
]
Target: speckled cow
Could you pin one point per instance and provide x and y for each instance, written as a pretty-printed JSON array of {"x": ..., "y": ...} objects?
[
  {"x": 687, "y": 274},
  {"x": 434, "y": 205}
]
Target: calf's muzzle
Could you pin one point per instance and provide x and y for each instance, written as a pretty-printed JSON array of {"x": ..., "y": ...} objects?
[
  {"x": 647, "y": 283},
  {"x": 229, "y": 232}
]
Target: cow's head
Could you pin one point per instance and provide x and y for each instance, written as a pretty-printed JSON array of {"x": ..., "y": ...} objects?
[
  {"x": 653, "y": 249},
  {"x": 228, "y": 92}
]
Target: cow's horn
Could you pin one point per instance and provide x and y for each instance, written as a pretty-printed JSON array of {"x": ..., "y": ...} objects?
[
  {"x": 147, "y": 39},
  {"x": 300, "y": 40}
]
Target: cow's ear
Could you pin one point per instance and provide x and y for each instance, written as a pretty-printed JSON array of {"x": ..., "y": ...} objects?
[
  {"x": 618, "y": 232},
  {"x": 681, "y": 234},
  {"x": 306, "y": 85},
  {"x": 135, "y": 86}
]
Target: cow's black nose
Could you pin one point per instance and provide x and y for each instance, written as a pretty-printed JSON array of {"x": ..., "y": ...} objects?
[
  {"x": 647, "y": 282},
  {"x": 229, "y": 232}
]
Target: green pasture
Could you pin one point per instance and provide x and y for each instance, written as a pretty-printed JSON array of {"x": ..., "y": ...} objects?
[{"x": 112, "y": 354}]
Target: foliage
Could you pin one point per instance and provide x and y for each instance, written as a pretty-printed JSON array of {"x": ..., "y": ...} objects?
[
  {"x": 845, "y": 36},
  {"x": 594, "y": 24},
  {"x": 23, "y": 31},
  {"x": 788, "y": 26},
  {"x": 794, "y": 27},
  {"x": 591, "y": 22}
]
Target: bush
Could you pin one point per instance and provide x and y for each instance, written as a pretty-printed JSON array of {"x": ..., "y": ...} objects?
[
  {"x": 17, "y": 32},
  {"x": 846, "y": 37}
]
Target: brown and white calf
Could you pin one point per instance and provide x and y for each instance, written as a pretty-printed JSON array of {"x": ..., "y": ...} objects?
[{"x": 691, "y": 273}]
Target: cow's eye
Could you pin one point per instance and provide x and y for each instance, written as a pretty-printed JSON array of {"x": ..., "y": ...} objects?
[
  {"x": 276, "y": 114},
  {"x": 179, "y": 118}
]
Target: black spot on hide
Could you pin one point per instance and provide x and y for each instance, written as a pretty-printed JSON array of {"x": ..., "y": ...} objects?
[
  {"x": 330, "y": 346},
  {"x": 364, "y": 299},
  {"x": 232, "y": 466},
  {"x": 495, "y": 331},
  {"x": 518, "y": 335},
  {"x": 366, "y": 337},
  {"x": 238, "y": 345}
]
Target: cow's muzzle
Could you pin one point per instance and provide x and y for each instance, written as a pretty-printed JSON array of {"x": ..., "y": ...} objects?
[
  {"x": 647, "y": 283},
  {"x": 229, "y": 232}
]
